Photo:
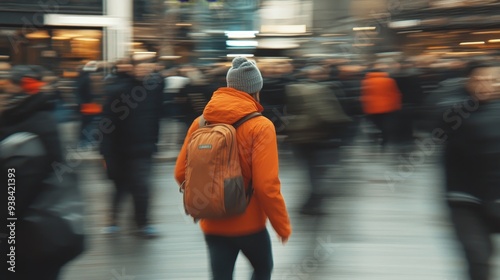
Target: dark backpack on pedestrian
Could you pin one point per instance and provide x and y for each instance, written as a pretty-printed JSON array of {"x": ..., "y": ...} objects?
[{"x": 315, "y": 113}]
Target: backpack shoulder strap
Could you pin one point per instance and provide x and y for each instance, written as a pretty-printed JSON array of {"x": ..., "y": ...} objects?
[
  {"x": 246, "y": 118},
  {"x": 202, "y": 122},
  {"x": 249, "y": 192}
]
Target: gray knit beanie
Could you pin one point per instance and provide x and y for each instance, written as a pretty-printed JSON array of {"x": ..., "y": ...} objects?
[{"x": 244, "y": 76}]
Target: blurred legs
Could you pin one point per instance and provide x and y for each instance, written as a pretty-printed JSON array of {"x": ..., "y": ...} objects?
[
  {"x": 223, "y": 256},
  {"x": 224, "y": 250},
  {"x": 474, "y": 235}
]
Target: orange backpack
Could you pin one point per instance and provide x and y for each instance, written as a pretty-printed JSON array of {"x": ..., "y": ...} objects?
[{"x": 214, "y": 186}]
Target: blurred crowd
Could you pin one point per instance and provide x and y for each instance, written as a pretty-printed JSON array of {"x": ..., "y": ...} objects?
[
  {"x": 120, "y": 106},
  {"x": 188, "y": 87}
]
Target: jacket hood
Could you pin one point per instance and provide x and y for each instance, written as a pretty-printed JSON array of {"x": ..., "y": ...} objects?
[{"x": 229, "y": 105}]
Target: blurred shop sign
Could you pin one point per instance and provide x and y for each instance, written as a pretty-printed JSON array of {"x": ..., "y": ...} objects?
[
  {"x": 405, "y": 23},
  {"x": 459, "y": 3},
  {"x": 278, "y": 43},
  {"x": 283, "y": 29},
  {"x": 8, "y": 32},
  {"x": 49, "y": 54}
]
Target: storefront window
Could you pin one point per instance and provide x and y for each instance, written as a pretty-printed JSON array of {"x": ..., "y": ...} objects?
[{"x": 60, "y": 50}]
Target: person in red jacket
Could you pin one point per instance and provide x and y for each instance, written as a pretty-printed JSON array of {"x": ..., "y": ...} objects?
[
  {"x": 381, "y": 101},
  {"x": 258, "y": 153}
]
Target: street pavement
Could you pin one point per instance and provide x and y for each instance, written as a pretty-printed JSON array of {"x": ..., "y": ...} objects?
[{"x": 386, "y": 220}]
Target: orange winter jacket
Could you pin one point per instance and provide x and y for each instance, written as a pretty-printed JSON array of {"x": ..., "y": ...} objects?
[
  {"x": 258, "y": 154},
  {"x": 380, "y": 94}
]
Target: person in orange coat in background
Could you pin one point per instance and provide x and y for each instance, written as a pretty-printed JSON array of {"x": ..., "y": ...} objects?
[
  {"x": 381, "y": 101},
  {"x": 258, "y": 153}
]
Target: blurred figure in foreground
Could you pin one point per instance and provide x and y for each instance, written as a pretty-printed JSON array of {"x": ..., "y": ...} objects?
[
  {"x": 470, "y": 122},
  {"x": 258, "y": 156},
  {"x": 30, "y": 154},
  {"x": 130, "y": 131},
  {"x": 316, "y": 129}
]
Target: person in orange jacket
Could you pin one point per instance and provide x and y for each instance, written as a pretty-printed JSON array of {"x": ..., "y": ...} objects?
[
  {"x": 88, "y": 93},
  {"x": 258, "y": 153},
  {"x": 381, "y": 100}
]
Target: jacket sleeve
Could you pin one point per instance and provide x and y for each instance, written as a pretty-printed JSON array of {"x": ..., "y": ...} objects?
[
  {"x": 180, "y": 165},
  {"x": 265, "y": 178}
]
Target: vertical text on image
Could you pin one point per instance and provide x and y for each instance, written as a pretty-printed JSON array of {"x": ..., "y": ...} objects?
[{"x": 11, "y": 218}]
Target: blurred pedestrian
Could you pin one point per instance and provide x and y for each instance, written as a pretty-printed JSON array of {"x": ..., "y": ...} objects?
[
  {"x": 350, "y": 77},
  {"x": 258, "y": 154},
  {"x": 381, "y": 101},
  {"x": 130, "y": 130},
  {"x": 89, "y": 88},
  {"x": 197, "y": 92},
  {"x": 470, "y": 129},
  {"x": 316, "y": 130},
  {"x": 29, "y": 148},
  {"x": 273, "y": 93},
  {"x": 174, "y": 82},
  {"x": 412, "y": 96}
]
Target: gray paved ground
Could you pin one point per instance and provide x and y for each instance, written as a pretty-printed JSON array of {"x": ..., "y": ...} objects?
[{"x": 375, "y": 230}]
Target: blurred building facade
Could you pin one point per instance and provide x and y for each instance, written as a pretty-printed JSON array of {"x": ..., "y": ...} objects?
[
  {"x": 449, "y": 28},
  {"x": 455, "y": 28},
  {"x": 63, "y": 34}
]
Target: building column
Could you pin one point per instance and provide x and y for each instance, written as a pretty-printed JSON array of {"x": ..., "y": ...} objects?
[{"x": 119, "y": 44}]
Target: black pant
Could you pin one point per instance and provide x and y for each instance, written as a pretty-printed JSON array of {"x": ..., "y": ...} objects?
[
  {"x": 474, "y": 234},
  {"x": 130, "y": 175},
  {"x": 88, "y": 124},
  {"x": 405, "y": 126},
  {"x": 224, "y": 250},
  {"x": 318, "y": 162},
  {"x": 387, "y": 124}
]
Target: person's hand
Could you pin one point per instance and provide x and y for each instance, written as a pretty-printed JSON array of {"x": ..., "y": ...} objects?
[{"x": 283, "y": 240}]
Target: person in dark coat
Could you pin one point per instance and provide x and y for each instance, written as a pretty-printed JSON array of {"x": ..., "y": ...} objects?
[
  {"x": 89, "y": 91},
  {"x": 130, "y": 129},
  {"x": 350, "y": 77},
  {"x": 197, "y": 93},
  {"x": 27, "y": 106},
  {"x": 470, "y": 130},
  {"x": 412, "y": 96},
  {"x": 273, "y": 94}
]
